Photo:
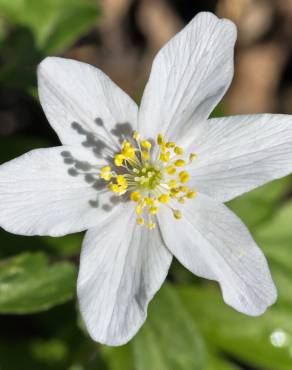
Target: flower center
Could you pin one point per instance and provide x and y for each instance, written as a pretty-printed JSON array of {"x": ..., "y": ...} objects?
[{"x": 152, "y": 181}]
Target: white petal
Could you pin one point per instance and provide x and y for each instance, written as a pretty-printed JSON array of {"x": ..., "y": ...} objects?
[
  {"x": 52, "y": 192},
  {"x": 213, "y": 243},
  {"x": 79, "y": 100},
  {"x": 238, "y": 154},
  {"x": 189, "y": 76},
  {"x": 122, "y": 266}
]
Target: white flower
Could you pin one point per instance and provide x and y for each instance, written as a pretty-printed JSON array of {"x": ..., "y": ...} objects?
[{"x": 113, "y": 174}]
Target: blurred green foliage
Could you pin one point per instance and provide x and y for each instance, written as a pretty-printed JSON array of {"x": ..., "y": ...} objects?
[
  {"x": 55, "y": 24},
  {"x": 188, "y": 327},
  {"x": 32, "y": 29},
  {"x": 29, "y": 284}
]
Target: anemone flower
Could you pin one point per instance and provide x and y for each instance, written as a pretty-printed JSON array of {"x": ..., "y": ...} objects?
[{"x": 149, "y": 182}]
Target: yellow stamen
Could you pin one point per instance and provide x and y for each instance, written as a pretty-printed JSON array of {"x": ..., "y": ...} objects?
[
  {"x": 170, "y": 170},
  {"x": 114, "y": 188},
  {"x": 105, "y": 173},
  {"x": 170, "y": 144},
  {"x": 177, "y": 214},
  {"x": 174, "y": 192},
  {"x": 192, "y": 157},
  {"x": 184, "y": 189},
  {"x": 136, "y": 135},
  {"x": 191, "y": 194},
  {"x": 135, "y": 196},
  {"x": 181, "y": 200},
  {"x": 149, "y": 201},
  {"x": 180, "y": 163},
  {"x": 172, "y": 183},
  {"x": 121, "y": 180},
  {"x": 146, "y": 144},
  {"x": 145, "y": 155},
  {"x": 178, "y": 150},
  {"x": 151, "y": 225},
  {"x": 119, "y": 159},
  {"x": 106, "y": 169},
  {"x": 106, "y": 176},
  {"x": 140, "y": 221},
  {"x": 160, "y": 139},
  {"x": 165, "y": 157},
  {"x": 184, "y": 176},
  {"x": 128, "y": 151},
  {"x": 163, "y": 198},
  {"x": 153, "y": 210},
  {"x": 151, "y": 183},
  {"x": 139, "y": 209}
]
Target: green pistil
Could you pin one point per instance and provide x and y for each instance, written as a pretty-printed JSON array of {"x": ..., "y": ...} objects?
[{"x": 148, "y": 177}]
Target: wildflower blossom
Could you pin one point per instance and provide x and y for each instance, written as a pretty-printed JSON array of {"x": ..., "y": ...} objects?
[{"x": 149, "y": 183}]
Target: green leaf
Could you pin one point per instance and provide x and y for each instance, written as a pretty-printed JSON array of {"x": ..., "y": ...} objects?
[
  {"x": 119, "y": 358},
  {"x": 169, "y": 339},
  {"x": 55, "y": 24},
  {"x": 258, "y": 205},
  {"x": 264, "y": 341},
  {"x": 277, "y": 229},
  {"x": 216, "y": 362},
  {"x": 218, "y": 111},
  {"x": 275, "y": 237},
  {"x": 28, "y": 283},
  {"x": 66, "y": 246}
]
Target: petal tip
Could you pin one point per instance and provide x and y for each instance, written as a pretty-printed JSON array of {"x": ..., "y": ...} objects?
[
  {"x": 47, "y": 64},
  {"x": 230, "y": 27},
  {"x": 255, "y": 306}
]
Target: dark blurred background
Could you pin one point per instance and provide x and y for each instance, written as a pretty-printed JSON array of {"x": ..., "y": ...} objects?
[{"x": 189, "y": 327}]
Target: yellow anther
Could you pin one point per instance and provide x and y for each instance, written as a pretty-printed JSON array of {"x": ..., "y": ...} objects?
[
  {"x": 165, "y": 157},
  {"x": 178, "y": 150},
  {"x": 114, "y": 188},
  {"x": 192, "y": 157},
  {"x": 107, "y": 176},
  {"x": 119, "y": 159},
  {"x": 163, "y": 148},
  {"x": 105, "y": 173},
  {"x": 149, "y": 201},
  {"x": 135, "y": 196},
  {"x": 139, "y": 209},
  {"x": 160, "y": 140},
  {"x": 129, "y": 153},
  {"x": 151, "y": 225},
  {"x": 177, "y": 214},
  {"x": 145, "y": 155},
  {"x": 184, "y": 189},
  {"x": 105, "y": 169},
  {"x": 184, "y": 176},
  {"x": 146, "y": 144},
  {"x": 172, "y": 183},
  {"x": 120, "y": 187},
  {"x": 163, "y": 198},
  {"x": 140, "y": 221},
  {"x": 191, "y": 194},
  {"x": 171, "y": 170},
  {"x": 122, "y": 181},
  {"x": 174, "y": 192},
  {"x": 153, "y": 210},
  {"x": 180, "y": 163},
  {"x": 170, "y": 144},
  {"x": 136, "y": 135},
  {"x": 181, "y": 200}
]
